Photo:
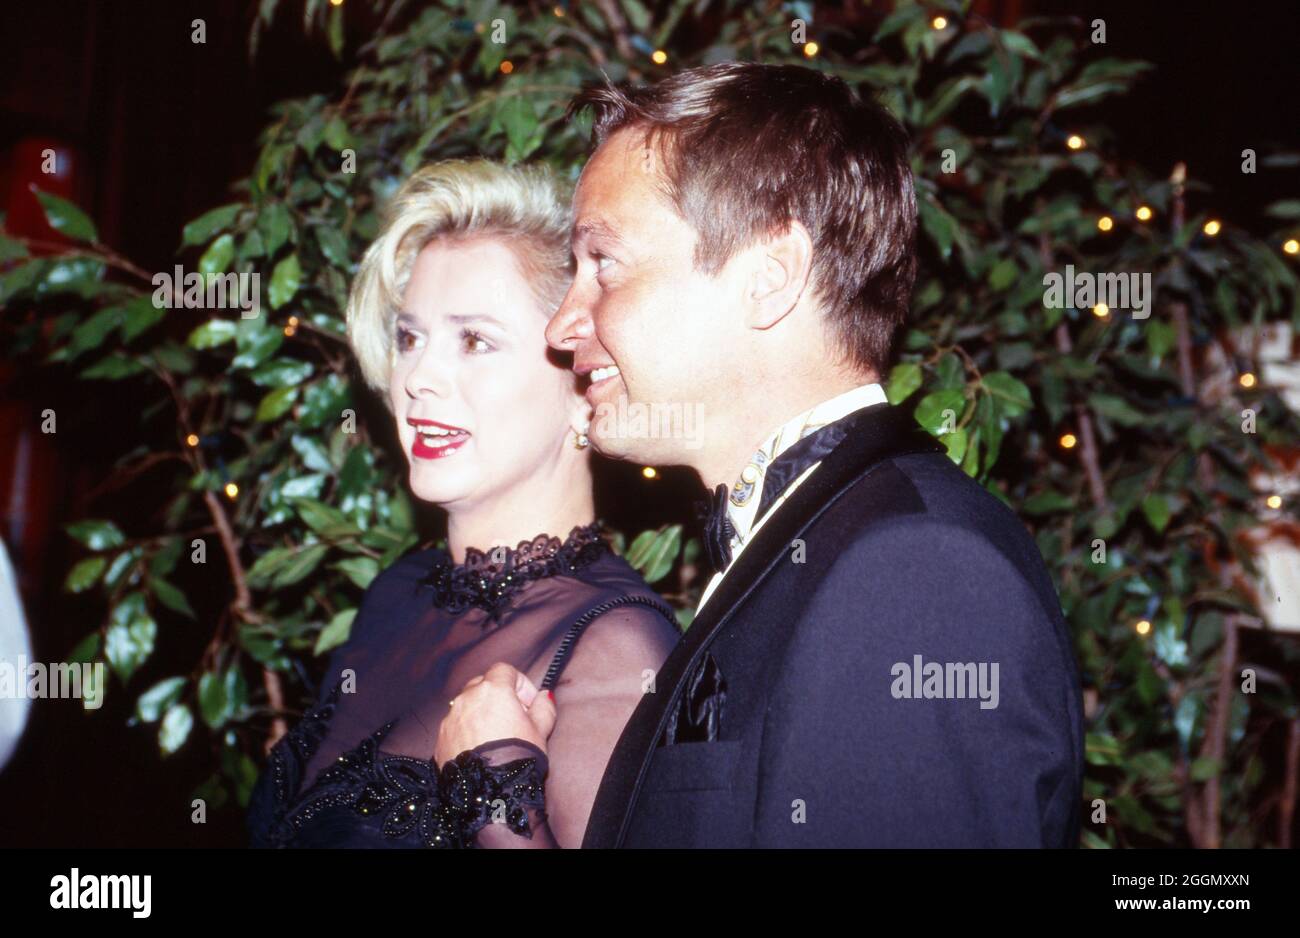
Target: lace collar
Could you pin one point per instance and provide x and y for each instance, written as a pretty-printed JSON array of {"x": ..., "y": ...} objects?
[{"x": 488, "y": 580}]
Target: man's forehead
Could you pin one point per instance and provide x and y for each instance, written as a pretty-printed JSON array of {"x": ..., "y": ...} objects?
[{"x": 614, "y": 187}]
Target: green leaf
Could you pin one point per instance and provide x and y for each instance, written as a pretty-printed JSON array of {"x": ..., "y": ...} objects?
[
  {"x": 212, "y": 333},
  {"x": 175, "y": 728},
  {"x": 1286, "y": 208},
  {"x": 209, "y": 223},
  {"x": 336, "y": 633},
  {"x": 334, "y": 245},
  {"x": 218, "y": 255},
  {"x": 130, "y": 637},
  {"x": 139, "y": 315},
  {"x": 97, "y": 535},
  {"x": 955, "y": 442},
  {"x": 1010, "y": 394},
  {"x": 325, "y": 520},
  {"x": 302, "y": 563},
  {"x": 213, "y": 706},
  {"x": 1116, "y": 409},
  {"x": 275, "y": 404},
  {"x": 285, "y": 280},
  {"x": 256, "y": 342},
  {"x": 65, "y": 217},
  {"x": 268, "y": 564},
  {"x": 86, "y": 649},
  {"x": 85, "y": 574},
  {"x": 1046, "y": 503},
  {"x": 360, "y": 570},
  {"x": 171, "y": 597},
  {"x": 904, "y": 379},
  {"x": 653, "y": 552},
  {"x": 275, "y": 223},
  {"x": 941, "y": 411},
  {"x": 938, "y": 224},
  {"x": 92, "y": 333},
  {"x": 1157, "y": 511},
  {"x": 1003, "y": 274},
  {"x": 282, "y": 373},
  {"x": 158, "y": 698}
]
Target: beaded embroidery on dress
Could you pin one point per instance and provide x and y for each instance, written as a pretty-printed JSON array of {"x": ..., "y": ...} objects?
[{"x": 357, "y": 769}]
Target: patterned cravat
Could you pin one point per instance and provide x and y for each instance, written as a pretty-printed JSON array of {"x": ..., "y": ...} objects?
[{"x": 718, "y": 529}]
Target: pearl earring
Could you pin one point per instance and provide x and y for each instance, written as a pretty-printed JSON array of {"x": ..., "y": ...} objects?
[{"x": 580, "y": 440}]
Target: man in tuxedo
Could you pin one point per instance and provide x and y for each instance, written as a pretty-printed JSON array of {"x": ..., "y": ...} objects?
[{"x": 880, "y": 658}]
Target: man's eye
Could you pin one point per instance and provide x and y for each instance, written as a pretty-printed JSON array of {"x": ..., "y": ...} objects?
[
  {"x": 474, "y": 342},
  {"x": 600, "y": 258}
]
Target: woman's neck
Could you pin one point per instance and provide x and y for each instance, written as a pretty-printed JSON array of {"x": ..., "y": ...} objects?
[{"x": 522, "y": 515}]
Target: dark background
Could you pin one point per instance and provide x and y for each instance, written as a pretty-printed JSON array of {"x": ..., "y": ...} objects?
[{"x": 159, "y": 127}]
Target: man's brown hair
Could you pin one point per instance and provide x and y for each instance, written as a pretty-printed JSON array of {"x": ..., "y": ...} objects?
[{"x": 748, "y": 147}]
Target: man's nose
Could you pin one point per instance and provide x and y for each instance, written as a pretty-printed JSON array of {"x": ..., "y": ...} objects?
[{"x": 569, "y": 324}]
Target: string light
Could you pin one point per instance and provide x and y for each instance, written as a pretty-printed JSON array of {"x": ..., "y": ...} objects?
[
  {"x": 1075, "y": 142},
  {"x": 1212, "y": 227},
  {"x": 649, "y": 472},
  {"x": 1105, "y": 223},
  {"x": 1143, "y": 627},
  {"x": 810, "y": 49},
  {"x": 1101, "y": 310},
  {"x": 293, "y": 320},
  {"x": 659, "y": 56},
  {"x": 1274, "y": 501},
  {"x": 231, "y": 490},
  {"x": 192, "y": 440},
  {"x": 507, "y": 67},
  {"x": 939, "y": 22},
  {"x": 558, "y": 11},
  {"x": 1247, "y": 380},
  {"x": 289, "y": 331},
  {"x": 1292, "y": 246},
  {"x": 1068, "y": 441},
  {"x": 336, "y": 3},
  {"x": 1143, "y": 213}
]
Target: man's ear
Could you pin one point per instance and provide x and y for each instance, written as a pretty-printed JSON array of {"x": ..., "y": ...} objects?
[{"x": 784, "y": 267}]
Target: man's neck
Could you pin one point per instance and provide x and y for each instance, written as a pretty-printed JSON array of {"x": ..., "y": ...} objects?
[{"x": 748, "y": 427}]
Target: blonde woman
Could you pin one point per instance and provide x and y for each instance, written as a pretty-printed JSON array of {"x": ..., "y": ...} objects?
[{"x": 447, "y": 317}]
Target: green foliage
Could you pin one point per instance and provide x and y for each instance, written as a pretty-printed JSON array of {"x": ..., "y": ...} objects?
[{"x": 999, "y": 378}]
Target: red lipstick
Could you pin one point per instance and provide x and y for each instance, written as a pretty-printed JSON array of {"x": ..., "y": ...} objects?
[{"x": 435, "y": 440}]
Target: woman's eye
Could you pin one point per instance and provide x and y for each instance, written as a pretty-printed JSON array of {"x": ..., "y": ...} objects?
[
  {"x": 474, "y": 342},
  {"x": 405, "y": 339},
  {"x": 600, "y": 258}
]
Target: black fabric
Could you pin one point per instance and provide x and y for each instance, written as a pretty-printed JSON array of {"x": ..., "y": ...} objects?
[
  {"x": 887, "y": 551},
  {"x": 357, "y": 770},
  {"x": 718, "y": 529},
  {"x": 798, "y": 456}
]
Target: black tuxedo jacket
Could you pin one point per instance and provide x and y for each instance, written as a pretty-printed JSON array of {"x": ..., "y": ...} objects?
[{"x": 808, "y": 678}]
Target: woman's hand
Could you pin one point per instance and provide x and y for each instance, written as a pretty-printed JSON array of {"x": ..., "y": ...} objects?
[{"x": 502, "y": 703}]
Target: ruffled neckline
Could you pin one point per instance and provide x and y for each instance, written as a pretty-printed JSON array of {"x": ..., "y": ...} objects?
[{"x": 489, "y": 579}]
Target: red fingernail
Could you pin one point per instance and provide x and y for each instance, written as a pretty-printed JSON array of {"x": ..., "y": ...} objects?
[{"x": 551, "y": 694}]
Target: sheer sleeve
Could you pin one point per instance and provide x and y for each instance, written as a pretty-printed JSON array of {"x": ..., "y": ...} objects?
[{"x": 610, "y": 668}]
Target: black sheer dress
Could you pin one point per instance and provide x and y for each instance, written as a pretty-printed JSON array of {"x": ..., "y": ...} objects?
[{"x": 357, "y": 770}]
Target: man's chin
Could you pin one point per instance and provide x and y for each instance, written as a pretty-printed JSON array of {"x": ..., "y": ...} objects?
[{"x": 647, "y": 452}]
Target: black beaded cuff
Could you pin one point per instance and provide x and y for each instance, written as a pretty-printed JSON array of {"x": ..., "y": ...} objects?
[{"x": 474, "y": 792}]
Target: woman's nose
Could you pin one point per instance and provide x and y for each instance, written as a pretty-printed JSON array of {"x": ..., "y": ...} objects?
[{"x": 430, "y": 375}]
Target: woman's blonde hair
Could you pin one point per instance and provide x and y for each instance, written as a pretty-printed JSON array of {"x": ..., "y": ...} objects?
[{"x": 527, "y": 207}]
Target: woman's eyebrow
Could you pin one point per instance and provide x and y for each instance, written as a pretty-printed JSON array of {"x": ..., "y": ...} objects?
[{"x": 462, "y": 320}]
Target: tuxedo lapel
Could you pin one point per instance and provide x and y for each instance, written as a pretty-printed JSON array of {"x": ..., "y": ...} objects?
[{"x": 879, "y": 432}]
